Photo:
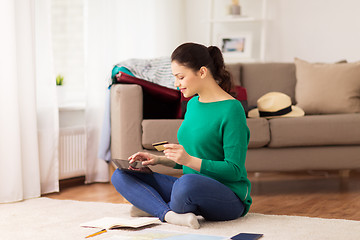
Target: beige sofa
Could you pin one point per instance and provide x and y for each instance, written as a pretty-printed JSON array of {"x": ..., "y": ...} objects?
[{"x": 312, "y": 142}]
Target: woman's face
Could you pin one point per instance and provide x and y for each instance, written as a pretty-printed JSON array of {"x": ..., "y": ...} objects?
[{"x": 186, "y": 79}]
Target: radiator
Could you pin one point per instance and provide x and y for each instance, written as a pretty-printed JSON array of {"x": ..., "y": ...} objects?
[{"x": 72, "y": 148}]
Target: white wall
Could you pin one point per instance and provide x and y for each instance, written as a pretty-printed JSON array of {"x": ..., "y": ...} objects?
[
  {"x": 197, "y": 29},
  {"x": 315, "y": 30},
  {"x": 147, "y": 29}
]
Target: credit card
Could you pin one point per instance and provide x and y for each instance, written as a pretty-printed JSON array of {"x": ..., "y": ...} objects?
[{"x": 160, "y": 145}]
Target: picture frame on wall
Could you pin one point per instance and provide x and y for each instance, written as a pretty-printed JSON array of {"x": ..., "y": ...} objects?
[{"x": 235, "y": 46}]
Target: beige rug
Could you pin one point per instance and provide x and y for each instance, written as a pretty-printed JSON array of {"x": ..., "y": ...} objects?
[{"x": 45, "y": 218}]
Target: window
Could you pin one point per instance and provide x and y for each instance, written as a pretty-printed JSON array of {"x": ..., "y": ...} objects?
[{"x": 68, "y": 34}]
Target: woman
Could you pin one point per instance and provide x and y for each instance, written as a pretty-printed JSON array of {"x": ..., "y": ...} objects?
[{"x": 212, "y": 147}]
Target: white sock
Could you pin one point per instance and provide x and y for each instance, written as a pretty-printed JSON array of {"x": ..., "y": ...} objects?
[
  {"x": 136, "y": 212},
  {"x": 183, "y": 219}
]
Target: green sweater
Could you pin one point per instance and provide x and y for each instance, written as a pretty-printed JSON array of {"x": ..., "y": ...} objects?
[{"x": 217, "y": 133}]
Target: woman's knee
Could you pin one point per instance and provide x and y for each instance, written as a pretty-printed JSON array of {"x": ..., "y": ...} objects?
[
  {"x": 116, "y": 177},
  {"x": 186, "y": 185}
]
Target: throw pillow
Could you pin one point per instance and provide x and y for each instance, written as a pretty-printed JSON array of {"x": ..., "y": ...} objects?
[
  {"x": 324, "y": 88},
  {"x": 241, "y": 95}
]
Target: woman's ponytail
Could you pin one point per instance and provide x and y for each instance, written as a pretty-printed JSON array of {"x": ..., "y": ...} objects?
[{"x": 219, "y": 72}]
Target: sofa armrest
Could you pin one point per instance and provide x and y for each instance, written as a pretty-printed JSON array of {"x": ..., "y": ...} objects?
[{"x": 126, "y": 118}]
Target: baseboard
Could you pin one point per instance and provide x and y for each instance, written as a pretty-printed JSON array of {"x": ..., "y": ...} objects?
[{"x": 71, "y": 182}]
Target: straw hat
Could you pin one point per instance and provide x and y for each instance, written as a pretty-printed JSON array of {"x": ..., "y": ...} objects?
[{"x": 275, "y": 105}]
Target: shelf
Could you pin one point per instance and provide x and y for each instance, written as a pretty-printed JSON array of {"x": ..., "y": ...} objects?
[
  {"x": 250, "y": 26},
  {"x": 233, "y": 19}
]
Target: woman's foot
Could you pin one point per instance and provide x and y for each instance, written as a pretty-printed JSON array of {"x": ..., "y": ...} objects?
[
  {"x": 183, "y": 219},
  {"x": 136, "y": 212}
]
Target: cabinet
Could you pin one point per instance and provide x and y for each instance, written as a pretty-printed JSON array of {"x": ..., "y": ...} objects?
[{"x": 240, "y": 37}]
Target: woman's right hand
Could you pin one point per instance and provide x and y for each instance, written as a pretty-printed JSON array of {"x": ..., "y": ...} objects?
[{"x": 144, "y": 158}]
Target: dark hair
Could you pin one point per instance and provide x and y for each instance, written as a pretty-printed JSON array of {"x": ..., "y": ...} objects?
[{"x": 195, "y": 56}]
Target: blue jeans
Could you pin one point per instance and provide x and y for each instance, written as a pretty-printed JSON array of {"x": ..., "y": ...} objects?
[{"x": 157, "y": 194}]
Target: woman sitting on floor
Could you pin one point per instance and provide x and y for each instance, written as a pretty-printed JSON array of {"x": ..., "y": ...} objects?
[{"x": 213, "y": 140}]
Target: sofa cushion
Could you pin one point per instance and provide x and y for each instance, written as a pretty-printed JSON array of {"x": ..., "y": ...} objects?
[
  {"x": 303, "y": 158},
  {"x": 328, "y": 88},
  {"x": 166, "y": 130},
  {"x": 261, "y": 78},
  {"x": 259, "y": 132},
  {"x": 315, "y": 130}
]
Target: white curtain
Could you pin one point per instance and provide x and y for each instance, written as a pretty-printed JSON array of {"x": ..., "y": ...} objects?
[
  {"x": 117, "y": 30},
  {"x": 97, "y": 54},
  {"x": 28, "y": 107}
]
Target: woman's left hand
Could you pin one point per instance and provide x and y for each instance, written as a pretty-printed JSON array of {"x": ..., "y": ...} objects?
[{"x": 177, "y": 153}]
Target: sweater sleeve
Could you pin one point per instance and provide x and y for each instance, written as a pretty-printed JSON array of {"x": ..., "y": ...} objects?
[{"x": 235, "y": 141}]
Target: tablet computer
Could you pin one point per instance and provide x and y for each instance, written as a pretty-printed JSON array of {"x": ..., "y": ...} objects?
[{"x": 124, "y": 164}]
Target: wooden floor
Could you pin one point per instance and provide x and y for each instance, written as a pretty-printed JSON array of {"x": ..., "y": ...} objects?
[{"x": 312, "y": 194}]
